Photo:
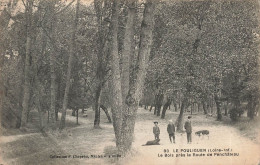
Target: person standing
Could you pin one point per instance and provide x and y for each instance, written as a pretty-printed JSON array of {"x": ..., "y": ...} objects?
[
  {"x": 171, "y": 131},
  {"x": 156, "y": 130},
  {"x": 188, "y": 129}
]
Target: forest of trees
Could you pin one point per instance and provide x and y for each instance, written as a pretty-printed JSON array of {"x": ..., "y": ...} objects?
[{"x": 195, "y": 56}]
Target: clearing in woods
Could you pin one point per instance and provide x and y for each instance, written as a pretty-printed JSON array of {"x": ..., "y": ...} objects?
[{"x": 83, "y": 140}]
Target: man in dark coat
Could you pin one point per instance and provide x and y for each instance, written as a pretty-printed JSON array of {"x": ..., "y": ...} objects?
[
  {"x": 156, "y": 130},
  {"x": 188, "y": 129},
  {"x": 171, "y": 131}
]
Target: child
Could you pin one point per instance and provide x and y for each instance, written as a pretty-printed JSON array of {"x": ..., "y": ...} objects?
[
  {"x": 171, "y": 131},
  {"x": 156, "y": 130}
]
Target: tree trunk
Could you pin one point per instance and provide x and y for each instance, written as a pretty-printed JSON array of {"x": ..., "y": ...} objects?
[
  {"x": 51, "y": 24},
  {"x": 204, "y": 107},
  {"x": 124, "y": 130},
  {"x": 217, "y": 101},
  {"x": 26, "y": 96},
  {"x": 38, "y": 85},
  {"x": 58, "y": 95},
  {"x": 116, "y": 79},
  {"x": 175, "y": 106},
  {"x": 71, "y": 54},
  {"x": 53, "y": 73},
  {"x": 48, "y": 116},
  {"x": 77, "y": 116},
  {"x": 208, "y": 107},
  {"x": 128, "y": 50},
  {"x": 158, "y": 111},
  {"x": 166, "y": 105},
  {"x": 97, "y": 108},
  {"x": 106, "y": 112},
  {"x": 198, "y": 104},
  {"x": 4, "y": 19},
  {"x": 101, "y": 51},
  {"x": 151, "y": 107},
  {"x": 191, "y": 108},
  {"x": 155, "y": 109},
  {"x": 136, "y": 87},
  {"x": 180, "y": 117},
  {"x": 211, "y": 105},
  {"x": 226, "y": 108},
  {"x": 250, "y": 107},
  {"x": 159, "y": 102},
  {"x": 127, "y": 133},
  {"x": 73, "y": 112},
  {"x": 38, "y": 89},
  {"x": 38, "y": 104}
]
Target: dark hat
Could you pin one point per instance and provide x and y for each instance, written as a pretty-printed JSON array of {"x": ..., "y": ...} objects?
[
  {"x": 155, "y": 122},
  {"x": 189, "y": 117}
]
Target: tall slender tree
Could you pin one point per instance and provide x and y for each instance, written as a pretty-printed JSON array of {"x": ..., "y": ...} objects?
[
  {"x": 71, "y": 54},
  {"x": 102, "y": 9},
  {"x": 124, "y": 121},
  {"x": 115, "y": 78},
  {"x": 128, "y": 43},
  {"x": 52, "y": 23},
  {"x": 26, "y": 96}
]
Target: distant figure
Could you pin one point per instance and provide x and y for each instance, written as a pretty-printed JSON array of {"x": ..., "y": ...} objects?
[
  {"x": 171, "y": 131},
  {"x": 156, "y": 130},
  {"x": 188, "y": 129}
]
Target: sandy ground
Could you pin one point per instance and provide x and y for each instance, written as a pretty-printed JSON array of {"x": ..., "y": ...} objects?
[
  {"x": 221, "y": 137},
  {"x": 83, "y": 140}
]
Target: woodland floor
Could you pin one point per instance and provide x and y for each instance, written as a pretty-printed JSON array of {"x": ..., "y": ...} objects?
[{"x": 32, "y": 148}]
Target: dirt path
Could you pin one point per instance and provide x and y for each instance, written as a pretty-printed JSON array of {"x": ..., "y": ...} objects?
[
  {"x": 221, "y": 137},
  {"x": 33, "y": 148}
]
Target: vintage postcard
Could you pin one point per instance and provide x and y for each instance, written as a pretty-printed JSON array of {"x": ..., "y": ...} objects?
[{"x": 129, "y": 82}]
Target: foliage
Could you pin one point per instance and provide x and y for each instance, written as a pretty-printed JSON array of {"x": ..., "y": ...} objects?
[{"x": 210, "y": 47}]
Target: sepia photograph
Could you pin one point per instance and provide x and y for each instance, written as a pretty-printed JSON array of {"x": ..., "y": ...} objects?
[{"x": 129, "y": 82}]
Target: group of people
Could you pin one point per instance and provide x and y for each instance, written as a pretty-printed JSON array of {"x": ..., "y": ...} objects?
[{"x": 171, "y": 130}]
